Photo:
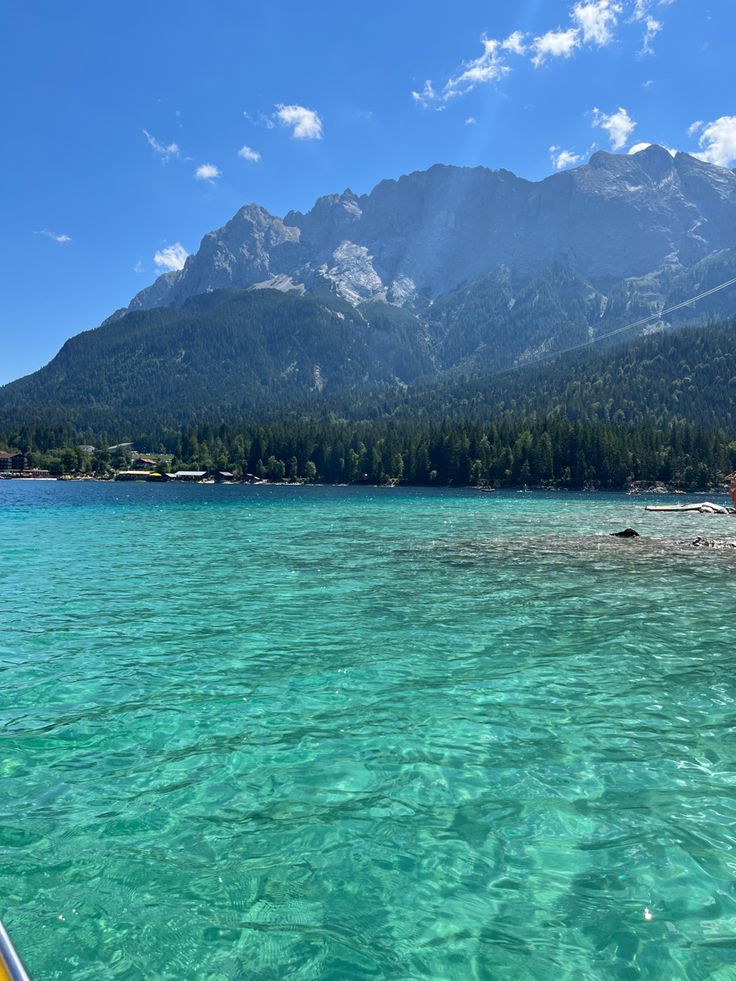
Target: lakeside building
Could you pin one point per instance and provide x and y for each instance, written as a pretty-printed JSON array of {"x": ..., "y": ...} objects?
[
  {"x": 193, "y": 476},
  {"x": 132, "y": 475},
  {"x": 186, "y": 476},
  {"x": 13, "y": 461},
  {"x": 36, "y": 474},
  {"x": 144, "y": 463}
]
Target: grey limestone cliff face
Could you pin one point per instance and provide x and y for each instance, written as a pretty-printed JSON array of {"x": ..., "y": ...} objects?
[
  {"x": 628, "y": 215},
  {"x": 252, "y": 247},
  {"x": 428, "y": 232}
]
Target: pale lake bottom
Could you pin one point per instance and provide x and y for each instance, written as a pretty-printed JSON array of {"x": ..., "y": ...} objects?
[{"x": 336, "y": 733}]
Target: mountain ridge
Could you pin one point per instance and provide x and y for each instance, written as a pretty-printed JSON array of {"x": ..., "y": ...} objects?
[
  {"x": 417, "y": 237},
  {"x": 424, "y": 291}
]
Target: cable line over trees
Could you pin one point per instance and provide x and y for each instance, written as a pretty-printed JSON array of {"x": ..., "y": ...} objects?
[{"x": 621, "y": 330}]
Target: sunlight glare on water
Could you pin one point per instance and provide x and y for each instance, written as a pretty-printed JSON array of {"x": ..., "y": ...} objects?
[{"x": 350, "y": 733}]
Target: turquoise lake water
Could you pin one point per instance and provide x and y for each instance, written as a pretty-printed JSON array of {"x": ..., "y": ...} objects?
[{"x": 335, "y": 733}]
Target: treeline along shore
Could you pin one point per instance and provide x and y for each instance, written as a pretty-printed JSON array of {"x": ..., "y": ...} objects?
[
  {"x": 660, "y": 410},
  {"x": 545, "y": 453}
]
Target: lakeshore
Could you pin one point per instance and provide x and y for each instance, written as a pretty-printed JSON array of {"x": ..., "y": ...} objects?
[{"x": 205, "y": 477}]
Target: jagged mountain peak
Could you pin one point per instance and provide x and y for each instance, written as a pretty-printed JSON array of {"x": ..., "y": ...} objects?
[
  {"x": 348, "y": 201},
  {"x": 252, "y": 212},
  {"x": 423, "y": 234}
]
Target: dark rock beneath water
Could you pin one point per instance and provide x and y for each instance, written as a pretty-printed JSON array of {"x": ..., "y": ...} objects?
[{"x": 626, "y": 533}]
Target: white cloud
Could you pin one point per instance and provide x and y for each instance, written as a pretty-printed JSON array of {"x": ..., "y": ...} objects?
[
  {"x": 171, "y": 258},
  {"x": 693, "y": 128},
  {"x": 562, "y": 158},
  {"x": 165, "y": 152},
  {"x": 427, "y": 96},
  {"x": 642, "y": 13},
  {"x": 490, "y": 66},
  {"x": 619, "y": 126},
  {"x": 597, "y": 20},
  {"x": 138, "y": 267},
  {"x": 305, "y": 123},
  {"x": 640, "y": 9},
  {"x": 260, "y": 120},
  {"x": 471, "y": 121},
  {"x": 248, "y": 153},
  {"x": 718, "y": 141},
  {"x": 652, "y": 28},
  {"x": 555, "y": 44},
  {"x": 515, "y": 43},
  {"x": 643, "y": 7},
  {"x": 207, "y": 172},
  {"x": 61, "y": 239},
  {"x": 592, "y": 23},
  {"x": 487, "y": 67}
]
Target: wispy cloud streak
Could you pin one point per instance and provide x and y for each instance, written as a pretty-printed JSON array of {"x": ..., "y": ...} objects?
[
  {"x": 61, "y": 239},
  {"x": 160, "y": 150},
  {"x": 592, "y": 24}
]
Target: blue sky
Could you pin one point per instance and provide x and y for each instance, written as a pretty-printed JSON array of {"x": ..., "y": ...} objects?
[{"x": 133, "y": 129}]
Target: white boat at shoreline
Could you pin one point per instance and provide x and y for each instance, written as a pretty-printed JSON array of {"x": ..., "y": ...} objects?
[{"x": 703, "y": 507}]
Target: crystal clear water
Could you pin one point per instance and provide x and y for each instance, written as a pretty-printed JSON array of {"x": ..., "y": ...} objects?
[{"x": 351, "y": 733}]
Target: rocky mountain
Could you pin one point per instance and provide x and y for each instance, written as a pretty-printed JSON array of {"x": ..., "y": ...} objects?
[
  {"x": 439, "y": 274},
  {"x": 418, "y": 238}
]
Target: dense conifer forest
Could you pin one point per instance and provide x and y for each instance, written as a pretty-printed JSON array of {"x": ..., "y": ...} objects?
[
  {"x": 686, "y": 376},
  {"x": 552, "y": 452},
  {"x": 661, "y": 409}
]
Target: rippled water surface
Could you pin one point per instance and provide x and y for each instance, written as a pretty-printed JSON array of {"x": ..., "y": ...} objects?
[{"x": 339, "y": 733}]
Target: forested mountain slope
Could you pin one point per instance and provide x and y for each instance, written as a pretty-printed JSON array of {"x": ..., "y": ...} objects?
[
  {"x": 232, "y": 352},
  {"x": 684, "y": 376},
  {"x": 221, "y": 354}
]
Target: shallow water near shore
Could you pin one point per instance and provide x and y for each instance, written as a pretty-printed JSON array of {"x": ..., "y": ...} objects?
[{"x": 309, "y": 732}]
